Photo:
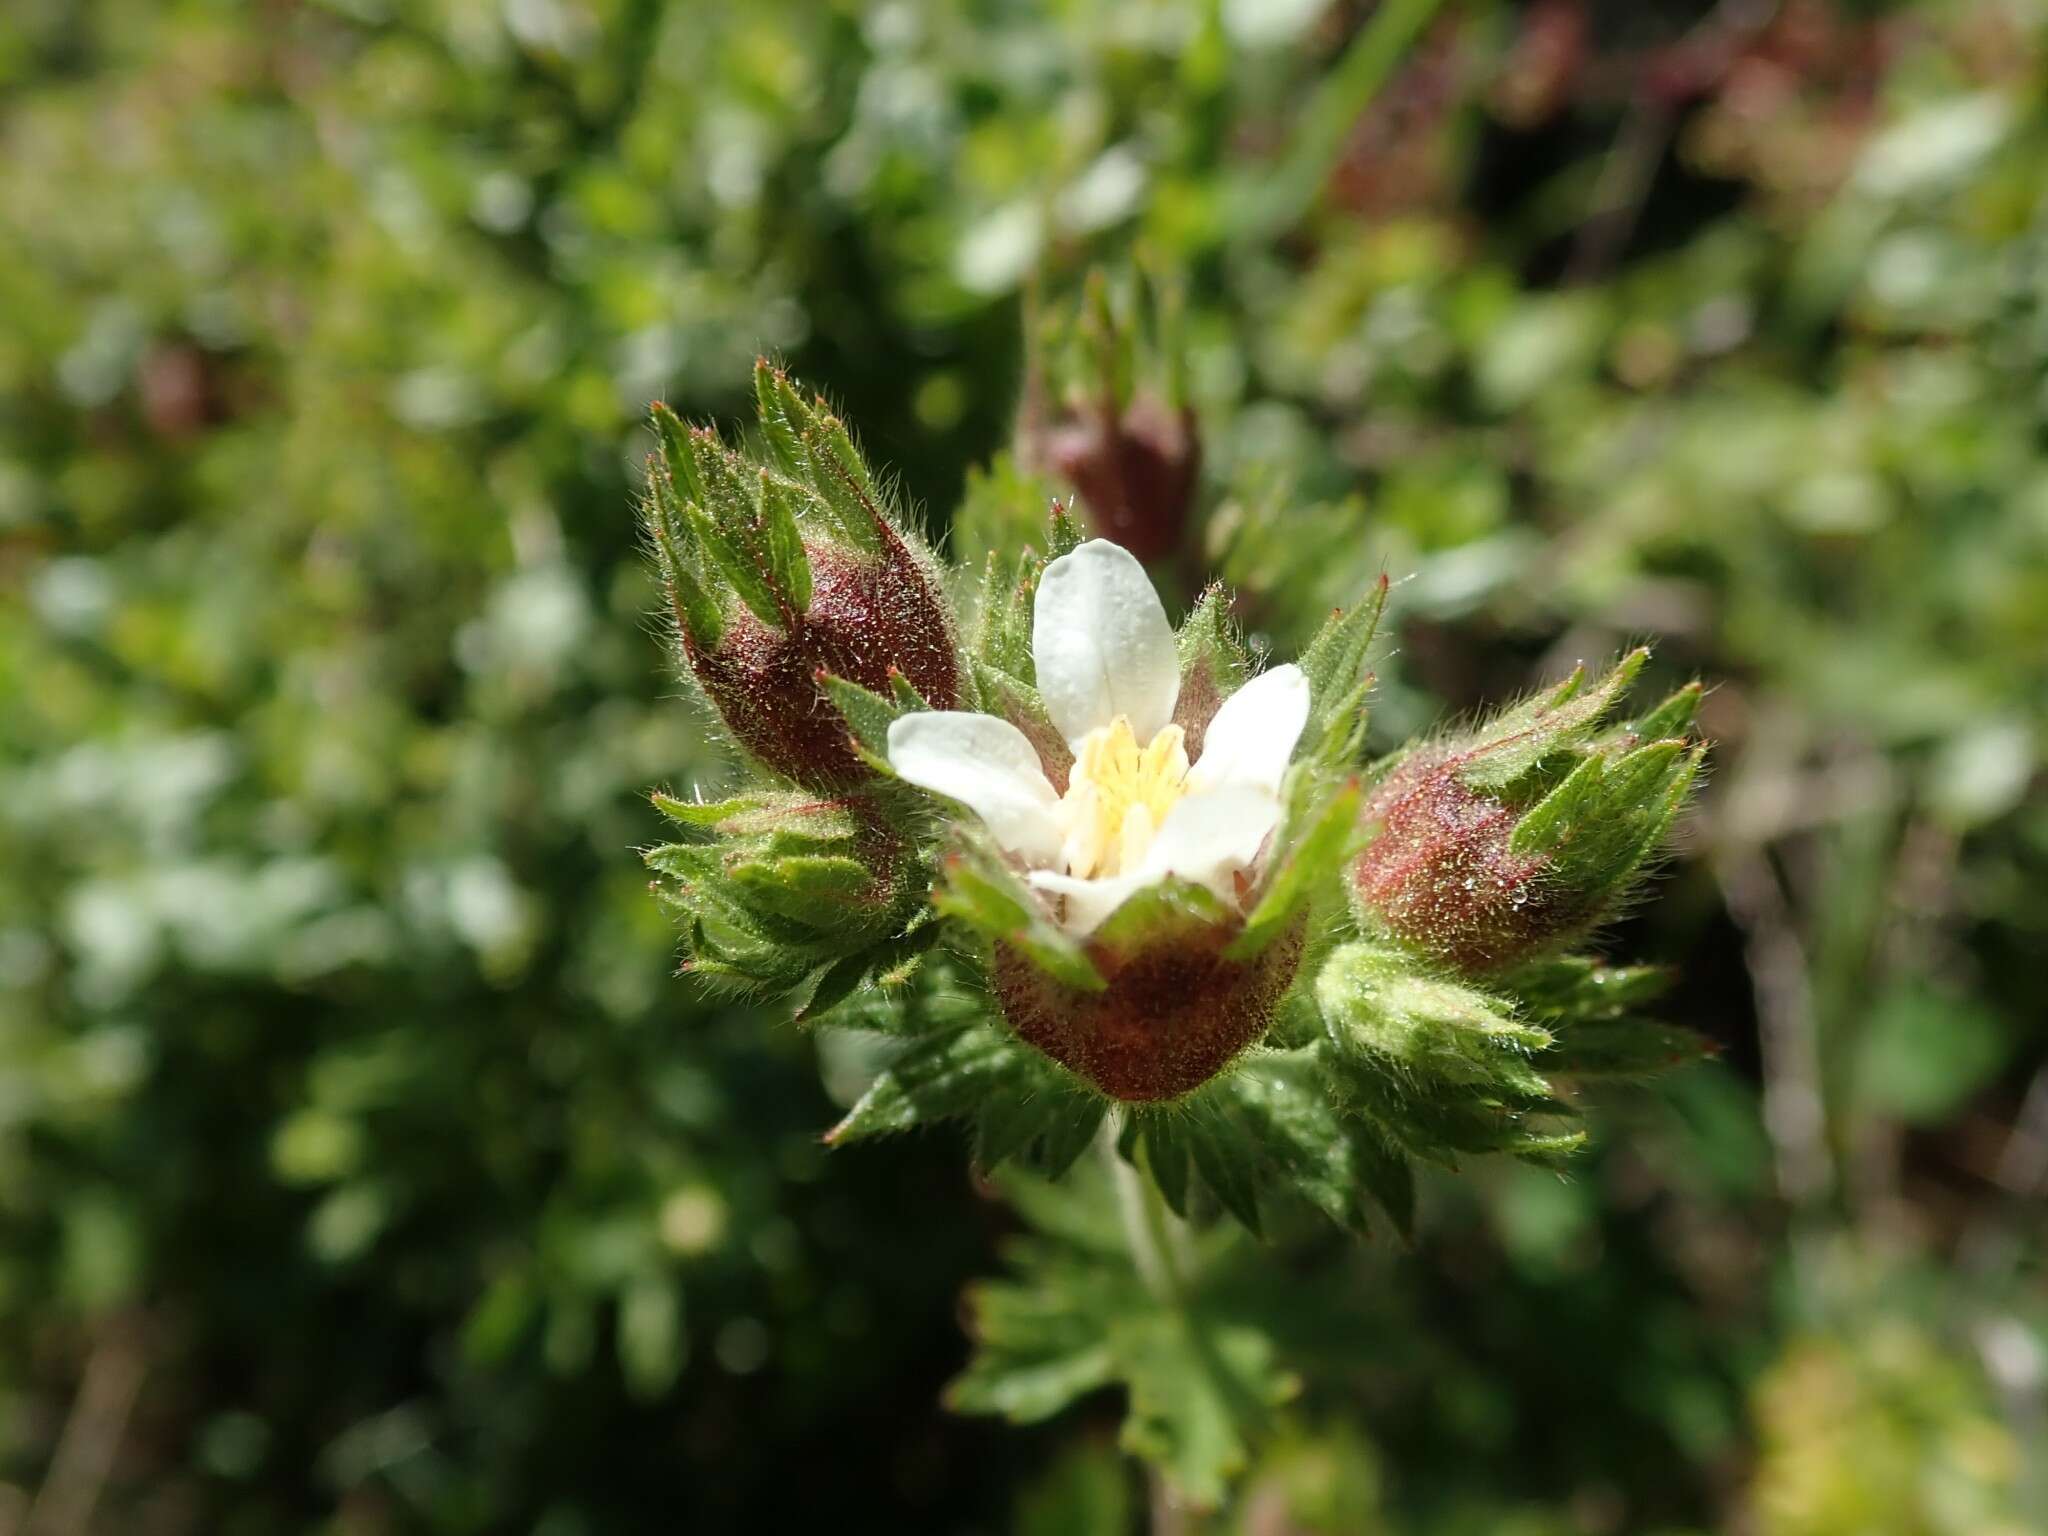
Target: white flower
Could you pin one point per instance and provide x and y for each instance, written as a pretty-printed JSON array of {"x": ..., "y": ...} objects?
[{"x": 1136, "y": 810}]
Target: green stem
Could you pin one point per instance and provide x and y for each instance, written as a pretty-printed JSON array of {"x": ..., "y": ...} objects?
[
  {"x": 1145, "y": 1219},
  {"x": 1159, "y": 1252}
]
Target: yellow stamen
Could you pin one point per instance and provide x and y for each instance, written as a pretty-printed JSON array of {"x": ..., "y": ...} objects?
[{"x": 1118, "y": 795}]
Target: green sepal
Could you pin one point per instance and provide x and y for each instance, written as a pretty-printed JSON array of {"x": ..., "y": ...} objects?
[
  {"x": 737, "y": 563},
  {"x": 1625, "y": 1047},
  {"x": 1673, "y": 717},
  {"x": 1313, "y": 842},
  {"x": 1442, "y": 1068},
  {"x": 1001, "y": 633},
  {"x": 1000, "y": 510},
  {"x": 1063, "y": 534},
  {"x": 788, "y": 820},
  {"x": 1438, "y": 1123},
  {"x": 1335, "y": 661},
  {"x": 1571, "y": 987},
  {"x": 1154, "y": 912},
  {"x": 1520, "y": 739},
  {"x": 676, "y": 552},
  {"x": 978, "y": 889},
  {"x": 844, "y": 482},
  {"x": 1607, "y": 815},
  {"x": 782, "y": 544},
  {"x": 868, "y": 715},
  {"x": 783, "y": 419},
  {"x": 1004, "y": 694},
  {"x": 678, "y": 457},
  {"x": 772, "y": 886},
  {"x": 1375, "y": 1000},
  {"x": 1210, "y": 650},
  {"x": 812, "y": 889}
]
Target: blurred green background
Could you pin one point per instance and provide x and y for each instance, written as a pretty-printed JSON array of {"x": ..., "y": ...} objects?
[{"x": 363, "y": 1169}]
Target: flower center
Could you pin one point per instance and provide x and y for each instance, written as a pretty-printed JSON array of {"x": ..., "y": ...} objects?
[{"x": 1118, "y": 794}]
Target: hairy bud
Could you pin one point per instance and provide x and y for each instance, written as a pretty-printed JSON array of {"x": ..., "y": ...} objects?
[
  {"x": 1121, "y": 433},
  {"x": 1135, "y": 469},
  {"x": 866, "y": 618},
  {"x": 772, "y": 885},
  {"x": 1490, "y": 851},
  {"x": 780, "y": 572}
]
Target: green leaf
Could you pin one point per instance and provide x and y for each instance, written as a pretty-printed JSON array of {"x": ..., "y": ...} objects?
[
  {"x": 1049, "y": 1125},
  {"x": 1085, "y": 1492},
  {"x": 1273, "y": 1126},
  {"x": 1925, "y": 1050},
  {"x": 1198, "y": 1387},
  {"x": 1033, "y": 1354},
  {"x": 946, "y": 1076},
  {"x": 1201, "y": 1369}
]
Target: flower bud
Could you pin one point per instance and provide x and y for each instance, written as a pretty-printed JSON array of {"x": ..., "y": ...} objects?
[
  {"x": 1493, "y": 850},
  {"x": 778, "y": 573},
  {"x": 770, "y": 886},
  {"x": 1135, "y": 469},
  {"x": 1122, "y": 434},
  {"x": 1175, "y": 1008},
  {"x": 866, "y": 618}
]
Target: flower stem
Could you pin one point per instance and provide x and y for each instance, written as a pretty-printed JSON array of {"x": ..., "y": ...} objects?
[
  {"x": 1145, "y": 1220},
  {"x": 1159, "y": 1252}
]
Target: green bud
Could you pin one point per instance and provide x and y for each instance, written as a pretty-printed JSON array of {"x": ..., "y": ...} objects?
[
  {"x": 770, "y": 887},
  {"x": 1491, "y": 850}
]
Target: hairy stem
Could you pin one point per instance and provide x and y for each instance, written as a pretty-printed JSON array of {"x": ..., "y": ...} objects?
[{"x": 1159, "y": 1252}]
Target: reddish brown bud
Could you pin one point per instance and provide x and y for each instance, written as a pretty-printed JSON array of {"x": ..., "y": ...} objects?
[
  {"x": 1440, "y": 875},
  {"x": 1136, "y": 473},
  {"x": 1174, "y": 1014},
  {"x": 867, "y": 616}
]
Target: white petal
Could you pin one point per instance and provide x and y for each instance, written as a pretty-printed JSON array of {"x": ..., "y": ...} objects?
[
  {"x": 1088, "y": 902},
  {"x": 1101, "y": 643},
  {"x": 986, "y": 764},
  {"x": 1209, "y": 838},
  {"x": 1253, "y": 734}
]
